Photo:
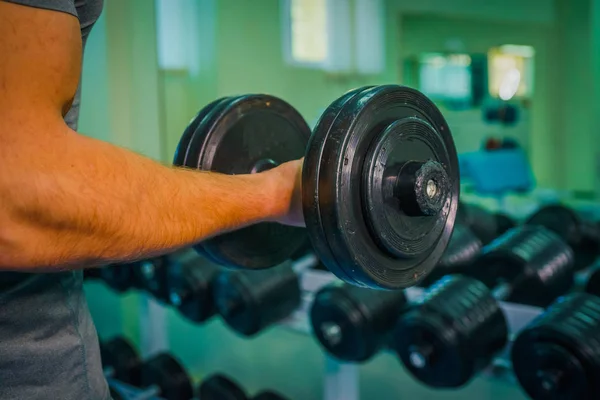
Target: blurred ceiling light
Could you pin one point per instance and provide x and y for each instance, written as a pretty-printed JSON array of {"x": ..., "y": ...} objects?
[{"x": 510, "y": 84}]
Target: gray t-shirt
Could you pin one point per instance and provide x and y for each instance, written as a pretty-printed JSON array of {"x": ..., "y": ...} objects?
[{"x": 48, "y": 342}]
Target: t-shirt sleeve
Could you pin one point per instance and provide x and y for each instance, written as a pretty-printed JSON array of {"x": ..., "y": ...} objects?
[{"x": 67, "y": 6}]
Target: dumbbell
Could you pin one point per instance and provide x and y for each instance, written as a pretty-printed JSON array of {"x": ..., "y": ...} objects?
[
  {"x": 486, "y": 225},
  {"x": 459, "y": 326},
  {"x": 190, "y": 283},
  {"x": 462, "y": 251},
  {"x": 268, "y": 395},
  {"x": 582, "y": 235},
  {"x": 221, "y": 387},
  {"x": 151, "y": 276},
  {"x": 163, "y": 376},
  {"x": 249, "y": 301},
  {"x": 119, "y": 277},
  {"x": 592, "y": 283},
  {"x": 557, "y": 357},
  {"x": 121, "y": 360},
  {"x": 380, "y": 181},
  {"x": 353, "y": 323}
]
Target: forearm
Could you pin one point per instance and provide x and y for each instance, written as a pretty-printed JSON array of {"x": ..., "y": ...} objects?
[{"x": 85, "y": 202}]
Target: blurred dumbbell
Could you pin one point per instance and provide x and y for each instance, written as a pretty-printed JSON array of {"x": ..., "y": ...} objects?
[
  {"x": 557, "y": 357},
  {"x": 268, "y": 395},
  {"x": 190, "y": 283},
  {"x": 462, "y": 251},
  {"x": 118, "y": 277},
  {"x": 353, "y": 323},
  {"x": 486, "y": 225},
  {"x": 251, "y": 300},
  {"x": 535, "y": 262},
  {"x": 152, "y": 275},
  {"x": 592, "y": 283},
  {"x": 459, "y": 326},
  {"x": 121, "y": 360},
  {"x": 582, "y": 235},
  {"x": 163, "y": 376},
  {"x": 221, "y": 387}
]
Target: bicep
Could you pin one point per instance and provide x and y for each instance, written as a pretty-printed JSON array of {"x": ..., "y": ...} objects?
[{"x": 40, "y": 65}]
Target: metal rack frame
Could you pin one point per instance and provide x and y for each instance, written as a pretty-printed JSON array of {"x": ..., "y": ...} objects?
[{"x": 341, "y": 379}]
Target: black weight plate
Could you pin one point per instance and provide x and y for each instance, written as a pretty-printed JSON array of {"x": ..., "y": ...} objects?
[
  {"x": 165, "y": 372},
  {"x": 188, "y": 133},
  {"x": 269, "y": 395},
  {"x": 580, "y": 234},
  {"x": 220, "y": 387},
  {"x": 120, "y": 355},
  {"x": 560, "y": 219},
  {"x": 183, "y": 147},
  {"x": 339, "y": 198},
  {"x": 236, "y": 137},
  {"x": 310, "y": 186},
  {"x": 557, "y": 357}
]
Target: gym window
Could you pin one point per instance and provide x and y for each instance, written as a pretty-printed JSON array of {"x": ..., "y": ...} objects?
[
  {"x": 304, "y": 26},
  {"x": 446, "y": 77}
]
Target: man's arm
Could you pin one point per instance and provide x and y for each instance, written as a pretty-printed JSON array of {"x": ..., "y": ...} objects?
[{"x": 67, "y": 200}]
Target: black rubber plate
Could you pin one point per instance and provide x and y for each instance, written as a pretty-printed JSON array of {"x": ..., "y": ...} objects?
[
  {"x": 231, "y": 137},
  {"x": 333, "y": 188}
]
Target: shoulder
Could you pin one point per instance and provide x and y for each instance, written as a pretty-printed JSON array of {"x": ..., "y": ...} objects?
[{"x": 67, "y": 6}]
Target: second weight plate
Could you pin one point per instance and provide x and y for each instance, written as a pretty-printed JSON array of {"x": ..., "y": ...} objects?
[
  {"x": 380, "y": 187},
  {"x": 243, "y": 135}
]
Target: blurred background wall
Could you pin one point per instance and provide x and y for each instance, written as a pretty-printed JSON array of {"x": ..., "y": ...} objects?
[{"x": 225, "y": 47}]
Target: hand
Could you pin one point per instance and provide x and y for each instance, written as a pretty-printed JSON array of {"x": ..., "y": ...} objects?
[{"x": 288, "y": 180}]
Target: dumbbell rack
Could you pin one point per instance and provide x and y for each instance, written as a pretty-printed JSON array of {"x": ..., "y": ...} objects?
[{"x": 341, "y": 379}]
